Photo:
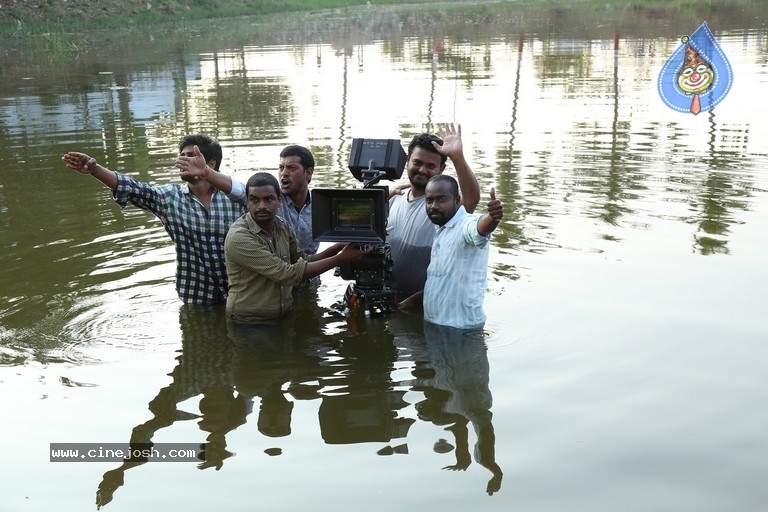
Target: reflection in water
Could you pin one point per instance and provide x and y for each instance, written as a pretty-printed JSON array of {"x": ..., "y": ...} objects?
[
  {"x": 719, "y": 196},
  {"x": 360, "y": 404},
  {"x": 350, "y": 372},
  {"x": 455, "y": 381},
  {"x": 237, "y": 370},
  {"x": 612, "y": 208},
  {"x": 437, "y": 49},
  {"x": 266, "y": 358},
  {"x": 344, "y": 54},
  {"x": 508, "y": 178},
  {"x": 203, "y": 369}
]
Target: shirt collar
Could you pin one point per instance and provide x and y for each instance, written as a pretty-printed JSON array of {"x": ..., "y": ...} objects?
[
  {"x": 188, "y": 191},
  {"x": 253, "y": 226},
  {"x": 456, "y": 219},
  {"x": 289, "y": 201}
]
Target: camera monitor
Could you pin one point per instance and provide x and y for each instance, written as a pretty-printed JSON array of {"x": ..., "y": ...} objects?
[
  {"x": 350, "y": 215},
  {"x": 384, "y": 155}
]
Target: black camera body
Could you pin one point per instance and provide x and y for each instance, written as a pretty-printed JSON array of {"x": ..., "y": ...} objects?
[{"x": 360, "y": 216}]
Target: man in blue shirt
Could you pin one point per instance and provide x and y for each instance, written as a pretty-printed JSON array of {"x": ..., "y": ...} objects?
[
  {"x": 195, "y": 215},
  {"x": 456, "y": 277}
]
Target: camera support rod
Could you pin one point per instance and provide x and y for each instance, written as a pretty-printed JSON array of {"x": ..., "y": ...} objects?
[{"x": 371, "y": 176}]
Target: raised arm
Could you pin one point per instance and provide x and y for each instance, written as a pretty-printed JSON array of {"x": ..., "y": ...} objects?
[
  {"x": 453, "y": 148},
  {"x": 489, "y": 221},
  {"x": 197, "y": 166},
  {"x": 86, "y": 164}
]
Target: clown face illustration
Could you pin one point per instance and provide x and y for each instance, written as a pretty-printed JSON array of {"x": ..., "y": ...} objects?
[{"x": 695, "y": 78}]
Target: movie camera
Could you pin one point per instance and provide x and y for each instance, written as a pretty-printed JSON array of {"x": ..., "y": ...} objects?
[{"x": 359, "y": 215}]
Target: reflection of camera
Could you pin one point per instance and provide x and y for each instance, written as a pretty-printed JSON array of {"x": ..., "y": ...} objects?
[
  {"x": 360, "y": 216},
  {"x": 363, "y": 417}
]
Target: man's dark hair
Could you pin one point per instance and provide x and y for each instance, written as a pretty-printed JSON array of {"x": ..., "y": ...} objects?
[
  {"x": 305, "y": 155},
  {"x": 263, "y": 179},
  {"x": 449, "y": 179},
  {"x": 424, "y": 141},
  {"x": 209, "y": 147}
]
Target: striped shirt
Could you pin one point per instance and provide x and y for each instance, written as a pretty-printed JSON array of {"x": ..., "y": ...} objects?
[
  {"x": 457, "y": 273},
  {"x": 198, "y": 234}
]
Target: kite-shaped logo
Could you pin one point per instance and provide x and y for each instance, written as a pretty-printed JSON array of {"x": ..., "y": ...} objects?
[{"x": 697, "y": 76}]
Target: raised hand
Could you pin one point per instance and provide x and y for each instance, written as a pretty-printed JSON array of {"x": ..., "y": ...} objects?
[
  {"x": 80, "y": 162},
  {"x": 495, "y": 208},
  {"x": 399, "y": 189},
  {"x": 452, "y": 145},
  {"x": 191, "y": 165}
]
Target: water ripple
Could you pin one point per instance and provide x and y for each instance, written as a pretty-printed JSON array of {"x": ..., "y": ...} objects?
[
  {"x": 500, "y": 336},
  {"x": 123, "y": 324},
  {"x": 75, "y": 329}
]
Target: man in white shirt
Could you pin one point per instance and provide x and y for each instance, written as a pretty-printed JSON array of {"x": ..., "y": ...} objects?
[{"x": 456, "y": 277}]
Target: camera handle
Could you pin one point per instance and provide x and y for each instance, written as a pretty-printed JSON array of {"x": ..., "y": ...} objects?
[{"x": 371, "y": 176}]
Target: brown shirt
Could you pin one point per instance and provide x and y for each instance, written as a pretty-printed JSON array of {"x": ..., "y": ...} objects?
[{"x": 262, "y": 270}]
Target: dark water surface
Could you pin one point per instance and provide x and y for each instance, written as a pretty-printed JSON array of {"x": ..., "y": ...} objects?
[{"x": 623, "y": 365}]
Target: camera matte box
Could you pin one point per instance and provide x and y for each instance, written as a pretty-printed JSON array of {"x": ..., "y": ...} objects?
[
  {"x": 384, "y": 155},
  {"x": 350, "y": 215}
]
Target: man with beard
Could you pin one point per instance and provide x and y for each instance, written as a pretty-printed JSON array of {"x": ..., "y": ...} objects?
[
  {"x": 294, "y": 172},
  {"x": 456, "y": 278},
  {"x": 409, "y": 230},
  {"x": 195, "y": 215}
]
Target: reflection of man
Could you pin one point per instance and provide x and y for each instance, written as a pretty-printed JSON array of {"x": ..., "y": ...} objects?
[
  {"x": 456, "y": 276},
  {"x": 458, "y": 393},
  {"x": 195, "y": 215},
  {"x": 204, "y": 369},
  {"x": 264, "y": 261},
  {"x": 409, "y": 231},
  {"x": 263, "y": 361}
]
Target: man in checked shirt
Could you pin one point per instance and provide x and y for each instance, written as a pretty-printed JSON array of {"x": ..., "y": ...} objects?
[{"x": 195, "y": 215}]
